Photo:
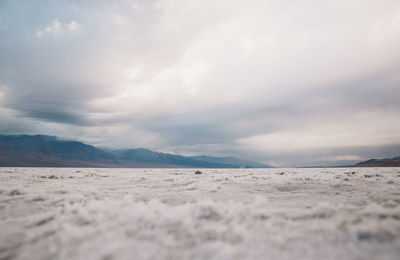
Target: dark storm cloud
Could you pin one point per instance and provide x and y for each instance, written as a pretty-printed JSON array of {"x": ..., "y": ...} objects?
[{"x": 283, "y": 82}]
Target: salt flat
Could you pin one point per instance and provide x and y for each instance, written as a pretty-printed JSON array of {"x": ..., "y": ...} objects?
[{"x": 69, "y": 213}]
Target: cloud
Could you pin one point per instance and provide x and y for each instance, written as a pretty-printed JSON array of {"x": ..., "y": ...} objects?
[
  {"x": 73, "y": 26},
  {"x": 342, "y": 158},
  {"x": 57, "y": 28},
  {"x": 357, "y": 130},
  {"x": 272, "y": 80}
]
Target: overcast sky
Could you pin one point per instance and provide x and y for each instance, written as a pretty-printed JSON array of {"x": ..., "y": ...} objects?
[{"x": 283, "y": 82}]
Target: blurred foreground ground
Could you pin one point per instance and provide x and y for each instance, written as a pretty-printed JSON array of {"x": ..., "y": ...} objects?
[{"x": 55, "y": 213}]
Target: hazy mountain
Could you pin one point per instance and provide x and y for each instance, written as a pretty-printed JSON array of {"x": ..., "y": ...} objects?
[
  {"x": 323, "y": 164},
  {"x": 147, "y": 157},
  {"x": 231, "y": 161},
  {"x": 391, "y": 162},
  {"x": 43, "y": 150}
]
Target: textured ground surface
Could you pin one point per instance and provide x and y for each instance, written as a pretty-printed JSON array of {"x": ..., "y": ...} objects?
[{"x": 71, "y": 213}]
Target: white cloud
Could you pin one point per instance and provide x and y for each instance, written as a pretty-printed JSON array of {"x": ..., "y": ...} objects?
[
  {"x": 56, "y": 27},
  {"x": 353, "y": 130},
  {"x": 73, "y": 26},
  {"x": 342, "y": 158}
]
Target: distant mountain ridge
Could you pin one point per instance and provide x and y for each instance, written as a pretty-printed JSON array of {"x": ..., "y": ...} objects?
[
  {"x": 229, "y": 161},
  {"x": 388, "y": 162},
  {"x": 50, "y": 151}
]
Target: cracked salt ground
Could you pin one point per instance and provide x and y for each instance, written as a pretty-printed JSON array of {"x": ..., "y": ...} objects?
[{"x": 48, "y": 213}]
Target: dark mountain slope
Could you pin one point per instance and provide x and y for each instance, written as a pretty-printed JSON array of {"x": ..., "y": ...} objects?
[
  {"x": 42, "y": 150},
  {"x": 392, "y": 162}
]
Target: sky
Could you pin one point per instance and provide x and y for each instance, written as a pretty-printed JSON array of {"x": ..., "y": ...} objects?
[{"x": 289, "y": 83}]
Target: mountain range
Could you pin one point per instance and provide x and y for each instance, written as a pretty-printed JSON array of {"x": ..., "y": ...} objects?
[
  {"x": 388, "y": 162},
  {"x": 50, "y": 151}
]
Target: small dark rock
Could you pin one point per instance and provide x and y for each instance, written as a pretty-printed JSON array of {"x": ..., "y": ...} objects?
[
  {"x": 14, "y": 192},
  {"x": 380, "y": 236},
  {"x": 362, "y": 235},
  {"x": 197, "y": 172},
  {"x": 350, "y": 173}
]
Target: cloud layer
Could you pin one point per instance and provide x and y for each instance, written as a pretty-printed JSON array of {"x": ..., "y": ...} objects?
[{"x": 279, "y": 81}]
